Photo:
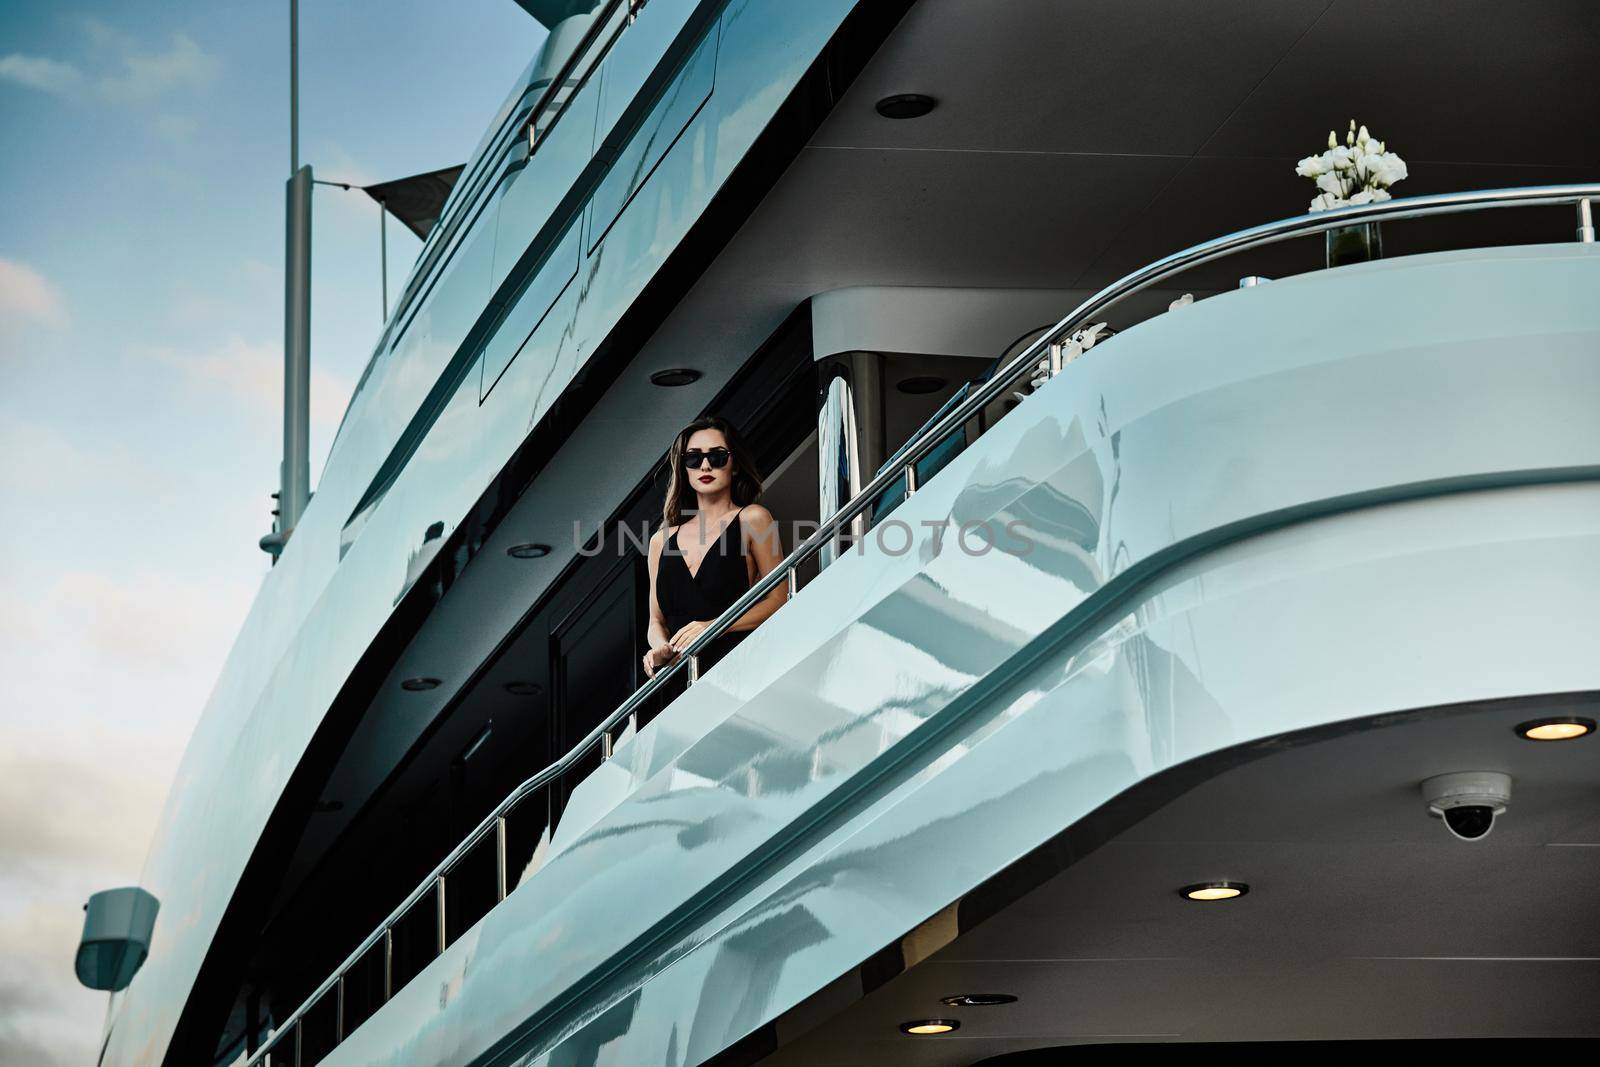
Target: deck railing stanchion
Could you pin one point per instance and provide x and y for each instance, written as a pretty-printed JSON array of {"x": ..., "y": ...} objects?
[
  {"x": 1586, "y": 221},
  {"x": 439, "y": 910},
  {"x": 500, "y": 857}
]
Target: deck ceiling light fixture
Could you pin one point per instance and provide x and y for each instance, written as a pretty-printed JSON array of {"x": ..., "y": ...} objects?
[
  {"x": 920, "y": 384},
  {"x": 1214, "y": 891},
  {"x": 419, "y": 685},
  {"x": 528, "y": 550},
  {"x": 928, "y": 1027},
  {"x": 906, "y": 105},
  {"x": 978, "y": 1000},
  {"x": 673, "y": 377},
  {"x": 1560, "y": 728}
]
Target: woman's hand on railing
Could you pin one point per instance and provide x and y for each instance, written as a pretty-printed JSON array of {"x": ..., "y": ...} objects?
[
  {"x": 685, "y": 637},
  {"x": 658, "y": 657}
]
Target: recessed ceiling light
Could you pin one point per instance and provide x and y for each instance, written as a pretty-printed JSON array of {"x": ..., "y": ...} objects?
[
  {"x": 419, "y": 685},
  {"x": 1561, "y": 728},
  {"x": 675, "y": 376},
  {"x": 529, "y": 550},
  {"x": 978, "y": 1000},
  {"x": 925, "y": 1027},
  {"x": 1214, "y": 890},
  {"x": 524, "y": 689},
  {"x": 923, "y": 383},
  {"x": 906, "y": 106}
]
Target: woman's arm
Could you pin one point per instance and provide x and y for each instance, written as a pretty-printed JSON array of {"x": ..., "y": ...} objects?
[
  {"x": 765, "y": 546},
  {"x": 661, "y": 651}
]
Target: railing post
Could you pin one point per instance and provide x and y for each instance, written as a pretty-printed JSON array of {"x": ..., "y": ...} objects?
[
  {"x": 911, "y": 480},
  {"x": 694, "y": 669},
  {"x": 388, "y": 963},
  {"x": 1585, "y": 221},
  {"x": 605, "y": 745},
  {"x": 793, "y": 580},
  {"x": 338, "y": 1017},
  {"x": 439, "y": 901},
  {"x": 500, "y": 857},
  {"x": 1057, "y": 358},
  {"x": 299, "y": 1030}
]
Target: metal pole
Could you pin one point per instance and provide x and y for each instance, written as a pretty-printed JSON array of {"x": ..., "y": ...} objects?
[
  {"x": 294, "y": 472},
  {"x": 294, "y": 86},
  {"x": 500, "y": 857},
  {"x": 440, "y": 885},
  {"x": 383, "y": 255},
  {"x": 1585, "y": 221},
  {"x": 388, "y": 963},
  {"x": 297, "y": 354},
  {"x": 338, "y": 1027}
]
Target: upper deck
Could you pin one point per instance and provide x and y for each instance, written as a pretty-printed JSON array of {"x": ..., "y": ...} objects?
[{"x": 679, "y": 217}]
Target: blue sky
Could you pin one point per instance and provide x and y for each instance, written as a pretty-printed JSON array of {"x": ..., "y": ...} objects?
[{"x": 143, "y": 151}]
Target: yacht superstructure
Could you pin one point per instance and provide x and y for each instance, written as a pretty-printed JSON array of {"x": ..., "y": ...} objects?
[{"x": 1101, "y": 594}]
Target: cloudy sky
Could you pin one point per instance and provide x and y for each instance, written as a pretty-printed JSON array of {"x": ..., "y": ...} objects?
[{"x": 143, "y": 150}]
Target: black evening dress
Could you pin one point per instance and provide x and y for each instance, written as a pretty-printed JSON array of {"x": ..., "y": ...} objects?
[{"x": 722, "y": 578}]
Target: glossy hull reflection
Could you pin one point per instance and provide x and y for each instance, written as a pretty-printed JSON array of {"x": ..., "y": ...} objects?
[{"x": 1230, "y": 522}]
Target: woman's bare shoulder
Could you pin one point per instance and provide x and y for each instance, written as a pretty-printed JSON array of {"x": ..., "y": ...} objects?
[{"x": 756, "y": 515}]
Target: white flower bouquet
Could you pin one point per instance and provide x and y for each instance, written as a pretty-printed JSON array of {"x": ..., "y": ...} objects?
[{"x": 1360, "y": 171}]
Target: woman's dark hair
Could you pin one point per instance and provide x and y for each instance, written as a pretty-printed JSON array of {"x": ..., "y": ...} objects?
[{"x": 680, "y": 494}]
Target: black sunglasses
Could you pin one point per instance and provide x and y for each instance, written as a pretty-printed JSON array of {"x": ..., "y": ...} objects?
[{"x": 718, "y": 458}]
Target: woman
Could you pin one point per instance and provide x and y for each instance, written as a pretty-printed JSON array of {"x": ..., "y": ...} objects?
[{"x": 714, "y": 543}]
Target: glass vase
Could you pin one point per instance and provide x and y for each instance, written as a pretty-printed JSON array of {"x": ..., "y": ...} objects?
[{"x": 1354, "y": 244}]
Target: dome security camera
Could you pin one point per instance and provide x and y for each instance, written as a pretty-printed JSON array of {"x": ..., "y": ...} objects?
[{"x": 1467, "y": 801}]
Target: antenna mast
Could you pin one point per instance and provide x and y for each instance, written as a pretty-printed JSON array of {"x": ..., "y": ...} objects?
[{"x": 295, "y": 472}]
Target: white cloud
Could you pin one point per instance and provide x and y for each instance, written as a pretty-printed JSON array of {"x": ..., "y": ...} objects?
[
  {"x": 46, "y": 1018},
  {"x": 184, "y": 65},
  {"x": 40, "y": 72},
  {"x": 120, "y": 69},
  {"x": 101, "y": 34},
  {"x": 103, "y": 676},
  {"x": 178, "y": 128},
  {"x": 251, "y": 373},
  {"x": 27, "y": 296},
  {"x": 38, "y": 460}
]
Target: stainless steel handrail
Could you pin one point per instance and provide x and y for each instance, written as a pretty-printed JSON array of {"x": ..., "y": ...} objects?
[{"x": 1020, "y": 366}]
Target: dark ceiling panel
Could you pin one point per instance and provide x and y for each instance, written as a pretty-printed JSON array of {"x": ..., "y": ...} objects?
[
  {"x": 1111, "y": 76},
  {"x": 1459, "y": 80},
  {"x": 868, "y": 217}
]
